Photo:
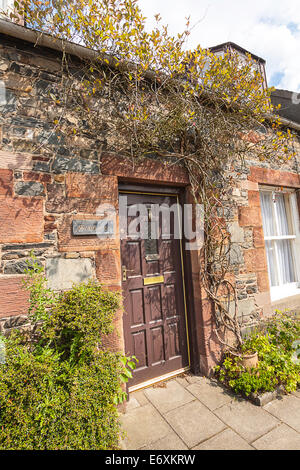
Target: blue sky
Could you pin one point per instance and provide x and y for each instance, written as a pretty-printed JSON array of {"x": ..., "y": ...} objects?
[{"x": 268, "y": 28}]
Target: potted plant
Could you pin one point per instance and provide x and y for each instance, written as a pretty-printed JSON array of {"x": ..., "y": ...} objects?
[{"x": 228, "y": 328}]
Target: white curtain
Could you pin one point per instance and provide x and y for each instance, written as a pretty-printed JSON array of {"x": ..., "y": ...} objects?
[
  {"x": 285, "y": 261},
  {"x": 285, "y": 258},
  {"x": 267, "y": 214},
  {"x": 283, "y": 226},
  {"x": 270, "y": 250}
]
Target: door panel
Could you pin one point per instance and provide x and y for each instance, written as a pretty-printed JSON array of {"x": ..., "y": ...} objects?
[{"x": 155, "y": 327}]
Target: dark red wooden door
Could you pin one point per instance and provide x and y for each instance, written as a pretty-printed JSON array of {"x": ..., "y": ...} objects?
[{"x": 155, "y": 323}]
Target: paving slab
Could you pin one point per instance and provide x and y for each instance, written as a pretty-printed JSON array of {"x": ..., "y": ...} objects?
[
  {"x": 210, "y": 393},
  {"x": 140, "y": 397},
  {"x": 194, "y": 412},
  {"x": 170, "y": 442},
  {"x": 143, "y": 425},
  {"x": 225, "y": 440},
  {"x": 297, "y": 393},
  {"x": 182, "y": 380},
  {"x": 194, "y": 423},
  {"x": 281, "y": 438},
  {"x": 287, "y": 410},
  {"x": 169, "y": 397},
  {"x": 246, "y": 419},
  {"x": 194, "y": 378},
  {"x": 131, "y": 404}
]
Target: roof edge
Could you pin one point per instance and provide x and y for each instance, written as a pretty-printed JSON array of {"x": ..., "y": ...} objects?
[
  {"x": 60, "y": 45},
  {"x": 45, "y": 40},
  {"x": 239, "y": 48}
]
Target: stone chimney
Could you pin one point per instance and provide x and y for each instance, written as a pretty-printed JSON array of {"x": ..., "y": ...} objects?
[{"x": 231, "y": 46}]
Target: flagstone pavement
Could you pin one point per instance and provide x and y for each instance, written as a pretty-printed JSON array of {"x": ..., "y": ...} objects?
[{"x": 196, "y": 413}]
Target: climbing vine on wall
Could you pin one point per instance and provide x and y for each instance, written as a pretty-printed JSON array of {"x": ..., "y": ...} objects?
[{"x": 155, "y": 98}]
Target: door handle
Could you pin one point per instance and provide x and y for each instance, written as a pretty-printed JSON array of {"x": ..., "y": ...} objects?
[{"x": 125, "y": 271}]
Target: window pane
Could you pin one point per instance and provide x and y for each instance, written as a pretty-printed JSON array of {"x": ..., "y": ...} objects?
[
  {"x": 285, "y": 261},
  {"x": 267, "y": 214},
  {"x": 282, "y": 219},
  {"x": 270, "y": 250}
]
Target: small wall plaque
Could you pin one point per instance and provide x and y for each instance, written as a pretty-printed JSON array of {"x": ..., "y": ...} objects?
[{"x": 100, "y": 228}]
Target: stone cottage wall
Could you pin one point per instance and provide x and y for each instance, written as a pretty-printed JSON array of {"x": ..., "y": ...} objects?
[
  {"x": 244, "y": 221},
  {"x": 47, "y": 180},
  {"x": 43, "y": 188},
  {"x": 35, "y": 217}
]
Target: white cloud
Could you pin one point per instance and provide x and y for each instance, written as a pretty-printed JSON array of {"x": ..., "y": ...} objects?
[{"x": 267, "y": 28}]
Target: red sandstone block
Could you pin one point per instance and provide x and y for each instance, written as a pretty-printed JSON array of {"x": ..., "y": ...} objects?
[
  {"x": 97, "y": 187},
  {"x": 50, "y": 218},
  {"x": 274, "y": 177},
  {"x": 57, "y": 201},
  {"x": 21, "y": 220},
  {"x": 253, "y": 199},
  {"x": 207, "y": 313},
  {"x": 49, "y": 227},
  {"x": 6, "y": 182},
  {"x": 249, "y": 185},
  {"x": 39, "y": 158},
  {"x": 250, "y": 217},
  {"x": 255, "y": 260},
  {"x": 263, "y": 282},
  {"x": 203, "y": 292},
  {"x": 258, "y": 237},
  {"x": 226, "y": 289},
  {"x": 13, "y": 298},
  {"x": 31, "y": 176},
  {"x": 147, "y": 170},
  {"x": 85, "y": 246},
  {"x": 108, "y": 269}
]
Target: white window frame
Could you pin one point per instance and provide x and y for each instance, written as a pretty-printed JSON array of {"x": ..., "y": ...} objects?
[{"x": 286, "y": 290}]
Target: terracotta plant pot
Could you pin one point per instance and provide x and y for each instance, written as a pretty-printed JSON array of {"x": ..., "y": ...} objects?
[{"x": 249, "y": 360}]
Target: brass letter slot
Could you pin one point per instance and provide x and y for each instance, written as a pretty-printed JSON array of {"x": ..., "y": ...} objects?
[{"x": 154, "y": 280}]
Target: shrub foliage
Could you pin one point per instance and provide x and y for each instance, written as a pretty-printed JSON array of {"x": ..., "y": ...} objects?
[
  {"x": 58, "y": 386},
  {"x": 276, "y": 344}
]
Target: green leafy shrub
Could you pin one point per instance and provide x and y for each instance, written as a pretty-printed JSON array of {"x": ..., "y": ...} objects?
[
  {"x": 284, "y": 330},
  {"x": 79, "y": 319},
  {"x": 58, "y": 386},
  {"x": 276, "y": 366}
]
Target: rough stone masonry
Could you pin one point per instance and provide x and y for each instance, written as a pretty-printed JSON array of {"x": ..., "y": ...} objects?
[{"x": 47, "y": 180}]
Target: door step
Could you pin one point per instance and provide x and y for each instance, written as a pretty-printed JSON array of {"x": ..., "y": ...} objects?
[{"x": 161, "y": 378}]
